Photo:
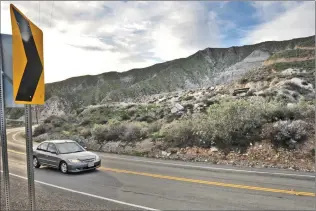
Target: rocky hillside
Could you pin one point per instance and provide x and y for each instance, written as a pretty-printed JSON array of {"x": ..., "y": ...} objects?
[
  {"x": 257, "y": 110},
  {"x": 208, "y": 67}
]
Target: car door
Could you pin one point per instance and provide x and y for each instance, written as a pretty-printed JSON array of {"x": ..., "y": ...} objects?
[
  {"x": 41, "y": 153},
  {"x": 52, "y": 157}
]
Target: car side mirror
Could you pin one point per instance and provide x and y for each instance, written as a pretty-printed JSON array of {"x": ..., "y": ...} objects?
[{"x": 85, "y": 147}]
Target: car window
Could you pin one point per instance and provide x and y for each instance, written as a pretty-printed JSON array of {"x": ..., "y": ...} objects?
[
  {"x": 69, "y": 147},
  {"x": 43, "y": 147},
  {"x": 51, "y": 148}
]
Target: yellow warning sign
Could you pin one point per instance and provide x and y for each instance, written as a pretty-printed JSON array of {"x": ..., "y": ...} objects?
[{"x": 27, "y": 60}]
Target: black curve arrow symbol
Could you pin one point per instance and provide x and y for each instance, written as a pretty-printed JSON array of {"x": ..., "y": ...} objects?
[{"x": 34, "y": 67}]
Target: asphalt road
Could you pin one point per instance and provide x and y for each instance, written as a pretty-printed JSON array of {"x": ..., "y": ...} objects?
[{"x": 126, "y": 182}]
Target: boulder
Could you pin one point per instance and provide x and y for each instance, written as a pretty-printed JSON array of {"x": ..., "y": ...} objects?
[{"x": 176, "y": 108}]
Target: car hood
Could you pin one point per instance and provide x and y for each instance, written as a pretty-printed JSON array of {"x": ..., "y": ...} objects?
[{"x": 85, "y": 155}]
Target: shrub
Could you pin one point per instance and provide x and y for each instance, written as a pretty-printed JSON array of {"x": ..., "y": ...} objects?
[
  {"x": 188, "y": 106},
  {"x": 154, "y": 127},
  {"x": 39, "y": 130},
  {"x": 278, "y": 111},
  {"x": 148, "y": 119},
  {"x": 290, "y": 85},
  {"x": 85, "y": 122},
  {"x": 156, "y": 135},
  {"x": 189, "y": 97},
  {"x": 125, "y": 116},
  {"x": 131, "y": 132},
  {"x": 239, "y": 122},
  {"x": 144, "y": 132},
  {"x": 180, "y": 134},
  {"x": 110, "y": 132},
  {"x": 98, "y": 132},
  {"x": 79, "y": 111},
  {"x": 85, "y": 132},
  {"x": 232, "y": 123},
  {"x": 50, "y": 119},
  {"x": 243, "y": 80},
  {"x": 120, "y": 131},
  {"x": 281, "y": 132},
  {"x": 56, "y": 121}
]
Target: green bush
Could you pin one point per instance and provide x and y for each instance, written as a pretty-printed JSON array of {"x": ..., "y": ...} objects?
[
  {"x": 50, "y": 118},
  {"x": 127, "y": 132},
  {"x": 308, "y": 65},
  {"x": 189, "y": 97},
  {"x": 156, "y": 135},
  {"x": 180, "y": 134},
  {"x": 110, "y": 132},
  {"x": 243, "y": 80},
  {"x": 85, "y": 132},
  {"x": 125, "y": 116},
  {"x": 293, "y": 53},
  {"x": 131, "y": 132},
  {"x": 281, "y": 132},
  {"x": 154, "y": 127},
  {"x": 41, "y": 129},
  {"x": 233, "y": 123},
  {"x": 85, "y": 121}
]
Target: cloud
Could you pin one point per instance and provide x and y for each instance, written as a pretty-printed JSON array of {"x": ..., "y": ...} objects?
[
  {"x": 270, "y": 10},
  {"x": 88, "y": 48},
  {"x": 94, "y": 37},
  {"x": 296, "y": 20}
]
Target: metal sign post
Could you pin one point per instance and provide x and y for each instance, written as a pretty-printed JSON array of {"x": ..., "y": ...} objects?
[
  {"x": 28, "y": 79},
  {"x": 5, "y": 164},
  {"x": 29, "y": 156}
]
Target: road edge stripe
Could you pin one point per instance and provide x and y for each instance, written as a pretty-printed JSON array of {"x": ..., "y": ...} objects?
[
  {"x": 89, "y": 194},
  {"x": 211, "y": 168}
]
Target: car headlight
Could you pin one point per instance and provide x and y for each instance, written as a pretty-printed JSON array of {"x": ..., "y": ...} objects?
[
  {"x": 74, "y": 160},
  {"x": 97, "y": 158}
]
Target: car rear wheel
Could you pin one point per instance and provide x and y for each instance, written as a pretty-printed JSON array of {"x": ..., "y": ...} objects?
[
  {"x": 63, "y": 167},
  {"x": 36, "y": 163}
]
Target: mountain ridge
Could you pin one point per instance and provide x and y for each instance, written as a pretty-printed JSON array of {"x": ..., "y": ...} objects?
[
  {"x": 134, "y": 69},
  {"x": 205, "y": 68}
]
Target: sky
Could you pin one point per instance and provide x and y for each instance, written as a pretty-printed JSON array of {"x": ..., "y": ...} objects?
[{"x": 93, "y": 37}]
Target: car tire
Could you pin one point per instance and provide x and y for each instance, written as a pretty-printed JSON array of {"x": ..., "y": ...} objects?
[
  {"x": 63, "y": 167},
  {"x": 36, "y": 163}
]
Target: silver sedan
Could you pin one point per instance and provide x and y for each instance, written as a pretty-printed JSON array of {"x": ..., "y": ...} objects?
[{"x": 65, "y": 155}]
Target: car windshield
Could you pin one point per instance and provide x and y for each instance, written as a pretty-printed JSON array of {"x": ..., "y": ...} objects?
[{"x": 69, "y": 147}]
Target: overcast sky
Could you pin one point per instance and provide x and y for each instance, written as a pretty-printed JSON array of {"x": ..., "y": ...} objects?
[{"x": 82, "y": 38}]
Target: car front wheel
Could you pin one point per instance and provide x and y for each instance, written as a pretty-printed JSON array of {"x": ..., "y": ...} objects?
[
  {"x": 36, "y": 163},
  {"x": 64, "y": 167}
]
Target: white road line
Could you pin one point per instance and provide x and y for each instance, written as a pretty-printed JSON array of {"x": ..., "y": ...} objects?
[
  {"x": 88, "y": 194},
  {"x": 14, "y": 136},
  {"x": 210, "y": 168},
  {"x": 12, "y": 131}
]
